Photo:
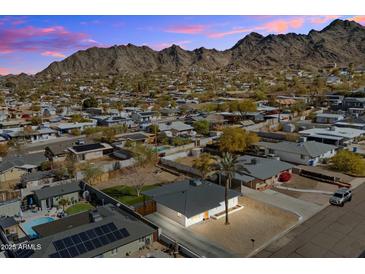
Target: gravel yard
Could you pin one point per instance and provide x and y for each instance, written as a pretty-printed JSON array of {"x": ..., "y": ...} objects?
[
  {"x": 304, "y": 183},
  {"x": 256, "y": 220},
  {"x": 132, "y": 176}
]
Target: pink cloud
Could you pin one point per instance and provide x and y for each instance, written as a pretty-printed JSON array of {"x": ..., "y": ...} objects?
[
  {"x": 54, "y": 38},
  {"x": 275, "y": 26},
  {"x": 53, "y": 54},
  {"x": 187, "y": 29},
  {"x": 163, "y": 45},
  {"x": 322, "y": 19},
  {"x": 4, "y": 71},
  {"x": 359, "y": 19}
]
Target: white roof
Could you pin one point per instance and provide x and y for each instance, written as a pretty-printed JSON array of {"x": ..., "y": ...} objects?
[{"x": 343, "y": 132}]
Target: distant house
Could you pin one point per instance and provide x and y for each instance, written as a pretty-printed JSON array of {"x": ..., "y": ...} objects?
[
  {"x": 49, "y": 197},
  {"x": 114, "y": 121},
  {"x": 191, "y": 201},
  {"x": 259, "y": 173},
  {"x": 67, "y": 127},
  {"x": 337, "y": 136},
  {"x": 328, "y": 118},
  {"x": 135, "y": 137},
  {"x": 37, "y": 179},
  {"x": 33, "y": 135},
  {"x": 305, "y": 153},
  {"x": 144, "y": 117},
  {"x": 13, "y": 167},
  {"x": 175, "y": 128},
  {"x": 353, "y": 102},
  {"x": 90, "y": 151}
]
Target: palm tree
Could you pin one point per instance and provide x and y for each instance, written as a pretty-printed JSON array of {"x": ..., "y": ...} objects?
[{"x": 228, "y": 167}]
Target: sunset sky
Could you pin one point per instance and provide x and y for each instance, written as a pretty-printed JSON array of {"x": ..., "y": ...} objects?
[{"x": 30, "y": 43}]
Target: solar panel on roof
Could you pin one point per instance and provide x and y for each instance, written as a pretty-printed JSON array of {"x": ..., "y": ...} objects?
[
  {"x": 124, "y": 232},
  {"x": 73, "y": 251},
  {"x": 83, "y": 242},
  {"x": 76, "y": 239},
  {"x": 87, "y": 147},
  {"x": 89, "y": 245},
  {"x": 91, "y": 233},
  {"x": 64, "y": 253},
  {"x": 24, "y": 253},
  {"x": 81, "y": 248},
  {"x": 59, "y": 245}
]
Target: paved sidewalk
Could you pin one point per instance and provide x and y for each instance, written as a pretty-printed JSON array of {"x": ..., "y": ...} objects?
[
  {"x": 334, "y": 232},
  {"x": 198, "y": 244},
  {"x": 302, "y": 208}
]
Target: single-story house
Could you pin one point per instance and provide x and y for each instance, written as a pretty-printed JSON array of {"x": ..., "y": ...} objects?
[
  {"x": 37, "y": 179},
  {"x": 67, "y": 127},
  {"x": 144, "y": 116},
  {"x": 328, "y": 118},
  {"x": 13, "y": 167},
  {"x": 257, "y": 172},
  {"x": 333, "y": 135},
  {"x": 175, "y": 128},
  {"x": 305, "y": 153},
  {"x": 106, "y": 232},
  {"x": 49, "y": 197},
  {"x": 90, "y": 151},
  {"x": 191, "y": 201}
]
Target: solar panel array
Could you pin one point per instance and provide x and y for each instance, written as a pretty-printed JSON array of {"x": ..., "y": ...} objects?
[
  {"x": 24, "y": 253},
  {"x": 89, "y": 240}
]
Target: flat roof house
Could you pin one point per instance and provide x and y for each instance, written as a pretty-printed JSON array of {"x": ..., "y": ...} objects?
[
  {"x": 191, "y": 201},
  {"x": 333, "y": 135},
  {"x": 328, "y": 118},
  {"x": 305, "y": 153},
  {"x": 67, "y": 127},
  {"x": 108, "y": 231},
  {"x": 90, "y": 151}
]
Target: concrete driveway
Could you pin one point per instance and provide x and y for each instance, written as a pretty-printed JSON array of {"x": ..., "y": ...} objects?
[
  {"x": 302, "y": 208},
  {"x": 196, "y": 243}
]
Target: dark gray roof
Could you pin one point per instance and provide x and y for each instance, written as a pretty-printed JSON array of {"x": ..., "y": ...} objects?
[
  {"x": 261, "y": 168},
  {"x": 310, "y": 148},
  {"x": 25, "y": 159},
  {"x": 109, "y": 214},
  {"x": 37, "y": 175},
  {"x": 87, "y": 147},
  {"x": 6, "y": 222},
  {"x": 188, "y": 199},
  {"x": 58, "y": 190}
]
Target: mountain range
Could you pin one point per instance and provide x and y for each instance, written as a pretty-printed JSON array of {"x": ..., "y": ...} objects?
[{"x": 341, "y": 42}]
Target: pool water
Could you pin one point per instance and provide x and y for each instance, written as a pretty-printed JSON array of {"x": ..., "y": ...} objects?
[{"x": 28, "y": 226}]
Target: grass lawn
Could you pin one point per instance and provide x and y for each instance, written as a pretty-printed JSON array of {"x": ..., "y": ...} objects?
[
  {"x": 79, "y": 207},
  {"x": 127, "y": 194}
]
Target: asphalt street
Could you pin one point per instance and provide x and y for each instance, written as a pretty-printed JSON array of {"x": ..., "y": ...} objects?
[{"x": 333, "y": 232}]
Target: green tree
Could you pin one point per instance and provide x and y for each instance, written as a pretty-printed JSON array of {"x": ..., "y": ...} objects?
[
  {"x": 245, "y": 106},
  {"x": 205, "y": 163},
  {"x": 235, "y": 140},
  {"x": 90, "y": 103},
  {"x": 349, "y": 162},
  {"x": 4, "y": 149},
  {"x": 36, "y": 121},
  {"x": 63, "y": 202},
  {"x": 75, "y": 132},
  {"x": 202, "y": 127},
  {"x": 91, "y": 173}
]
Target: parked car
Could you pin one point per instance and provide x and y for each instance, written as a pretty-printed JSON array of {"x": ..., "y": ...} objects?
[
  {"x": 80, "y": 142},
  {"x": 341, "y": 196}
]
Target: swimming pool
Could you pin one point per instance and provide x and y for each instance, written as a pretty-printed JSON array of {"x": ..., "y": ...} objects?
[{"x": 28, "y": 226}]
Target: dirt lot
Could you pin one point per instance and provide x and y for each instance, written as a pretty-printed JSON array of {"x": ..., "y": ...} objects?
[
  {"x": 189, "y": 161},
  {"x": 301, "y": 182},
  {"x": 131, "y": 176},
  {"x": 256, "y": 220}
]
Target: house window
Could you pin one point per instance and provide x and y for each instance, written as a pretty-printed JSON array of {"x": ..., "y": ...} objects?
[{"x": 302, "y": 156}]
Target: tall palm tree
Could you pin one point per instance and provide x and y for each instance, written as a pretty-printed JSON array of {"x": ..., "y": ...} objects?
[{"x": 228, "y": 167}]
